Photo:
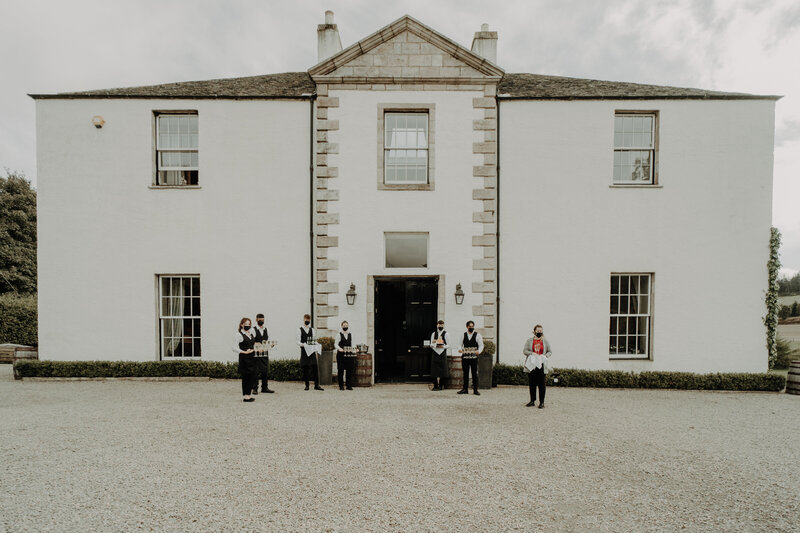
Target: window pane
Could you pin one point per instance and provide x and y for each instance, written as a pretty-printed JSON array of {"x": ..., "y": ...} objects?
[
  {"x": 633, "y": 305},
  {"x": 614, "y": 284},
  {"x": 644, "y": 284},
  {"x": 406, "y": 250},
  {"x": 622, "y": 326},
  {"x": 612, "y": 345},
  {"x": 623, "y": 305},
  {"x": 643, "y": 321},
  {"x": 632, "y": 327},
  {"x": 195, "y": 306},
  {"x": 612, "y": 328},
  {"x": 614, "y": 305},
  {"x": 622, "y": 345},
  {"x": 634, "y": 284},
  {"x": 642, "y": 347},
  {"x": 624, "y": 282},
  {"x": 632, "y": 344},
  {"x": 644, "y": 308}
]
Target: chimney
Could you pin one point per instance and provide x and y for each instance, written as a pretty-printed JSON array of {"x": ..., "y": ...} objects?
[
  {"x": 328, "y": 41},
  {"x": 485, "y": 43}
]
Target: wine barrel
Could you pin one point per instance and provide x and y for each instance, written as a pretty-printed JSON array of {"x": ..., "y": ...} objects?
[
  {"x": 456, "y": 373},
  {"x": 793, "y": 378},
  {"x": 364, "y": 370}
]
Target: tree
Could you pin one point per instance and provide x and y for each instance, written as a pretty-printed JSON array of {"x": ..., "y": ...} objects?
[
  {"x": 795, "y": 310},
  {"x": 17, "y": 234}
]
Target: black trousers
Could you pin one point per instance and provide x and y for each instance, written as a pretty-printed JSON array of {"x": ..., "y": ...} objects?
[
  {"x": 346, "y": 368},
  {"x": 536, "y": 378},
  {"x": 438, "y": 382},
  {"x": 311, "y": 372},
  {"x": 262, "y": 373},
  {"x": 466, "y": 365},
  {"x": 249, "y": 381}
]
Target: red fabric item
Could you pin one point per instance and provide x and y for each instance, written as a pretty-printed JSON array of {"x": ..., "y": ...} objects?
[{"x": 538, "y": 346}]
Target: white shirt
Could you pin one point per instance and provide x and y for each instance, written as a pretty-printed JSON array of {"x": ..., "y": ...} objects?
[
  {"x": 477, "y": 338},
  {"x": 435, "y": 347},
  {"x": 238, "y": 339},
  {"x": 260, "y": 329}
]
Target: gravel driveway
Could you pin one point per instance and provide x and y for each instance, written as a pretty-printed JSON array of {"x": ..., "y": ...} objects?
[{"x": 190, "y": 456}]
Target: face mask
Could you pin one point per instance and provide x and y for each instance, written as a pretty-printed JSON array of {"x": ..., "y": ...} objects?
[
  {"x": 344, "y": 328},
  {"x": 470, "y": 329},
  {"x": 307, "y": 322},
  {"x": 246, "y": 328},
  {"x": 440, "y": 328},
  {"x": 260, "y": 322},
  {"x": 539, "y": 334}
]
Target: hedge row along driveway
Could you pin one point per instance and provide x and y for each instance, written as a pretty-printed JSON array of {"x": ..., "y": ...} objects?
[{"x": 289, "y": 370}]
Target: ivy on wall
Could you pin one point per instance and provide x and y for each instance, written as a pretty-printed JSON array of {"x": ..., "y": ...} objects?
[{"x": 771, "y": 319}]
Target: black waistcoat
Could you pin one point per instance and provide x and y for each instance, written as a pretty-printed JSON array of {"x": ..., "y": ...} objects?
[
  {"x": 246, "y": 343},
  {"x": 260, "y": 337},
  {"x": 470, "y": 343},
  {"x": 345, "y": 341},
  {"x": 436, "y": 337},
  {"x": 304, "y": 338}
]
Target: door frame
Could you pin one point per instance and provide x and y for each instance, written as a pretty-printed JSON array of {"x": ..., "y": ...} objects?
[{"x": 440, "y": 286}]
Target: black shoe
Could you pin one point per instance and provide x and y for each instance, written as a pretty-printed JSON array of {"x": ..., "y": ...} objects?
[
  {"x": 341, "y": 388},
  {"x": 463, "y": 391},
  {"x": 349, "y": 387},
  {"x": 255, "y": 392},
  {"x": 541, "y": 405},
  {"x": 317, "y": 387},
  {"x": 306, "y": 387},
  {"x": 476, "y": 393},
  {"x": 530, "y": 404},
  {"x": 268, "y": 391},
  {"x": 248, "y": 399},
  {"x": 436, "y": 388}
]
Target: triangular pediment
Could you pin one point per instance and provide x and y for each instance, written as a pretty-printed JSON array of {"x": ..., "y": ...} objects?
[{"x": 405, "y": 49}]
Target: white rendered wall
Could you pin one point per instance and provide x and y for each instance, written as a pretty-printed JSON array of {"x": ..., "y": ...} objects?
[
  {"x": 704, "y": 234},
  {"x": 366, "y": 212},
  {"x": 104, "y": 234}
]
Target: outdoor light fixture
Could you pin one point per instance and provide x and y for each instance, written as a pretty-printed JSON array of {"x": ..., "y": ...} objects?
[
  {"x": 351, "y": 294},
  {"x": 98, "y": 121},
  {"x": 459, "y": 294}
]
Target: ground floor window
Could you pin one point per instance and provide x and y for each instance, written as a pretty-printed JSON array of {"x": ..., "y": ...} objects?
[
  {"x": 179, "y": 316},
  {"x": 631, "y": 312}
]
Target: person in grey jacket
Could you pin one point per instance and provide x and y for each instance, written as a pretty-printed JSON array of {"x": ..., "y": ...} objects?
[{"x": 537, "y": 364}]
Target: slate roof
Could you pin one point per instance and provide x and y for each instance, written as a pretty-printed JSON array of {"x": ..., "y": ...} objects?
[
  {"x": 285, "y": 85},
  {"x": 520, "y": 86},
  {"x": 540, "y": 87}
]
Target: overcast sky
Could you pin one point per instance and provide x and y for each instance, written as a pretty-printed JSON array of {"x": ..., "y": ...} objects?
[{"x": 728, "y": 45}]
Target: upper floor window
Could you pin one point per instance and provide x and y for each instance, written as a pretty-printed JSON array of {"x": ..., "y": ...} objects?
[
  {"x": 635, "y": 137},
  {"x": 176, "y": 149},
  {"x": 406, "y": 146}
]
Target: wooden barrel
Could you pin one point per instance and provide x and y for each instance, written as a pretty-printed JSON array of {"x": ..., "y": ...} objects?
[
  {"x": 456, "y": 379},
  {"x": 793, "y": 378},
  {"x": 364, "y": 370}
]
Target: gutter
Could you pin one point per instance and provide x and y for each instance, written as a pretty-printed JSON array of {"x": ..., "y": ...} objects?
[
  {"x": 497, "y": 241},
  {"x": 311, "y": 144}
]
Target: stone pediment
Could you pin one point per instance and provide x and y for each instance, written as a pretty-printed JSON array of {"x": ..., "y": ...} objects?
[{"x": 405, "y": 51}]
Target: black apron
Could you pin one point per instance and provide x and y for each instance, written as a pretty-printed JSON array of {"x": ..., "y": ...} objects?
[
  {"x": 439, "y": 361},
  {"x": 247, "y": 364}
]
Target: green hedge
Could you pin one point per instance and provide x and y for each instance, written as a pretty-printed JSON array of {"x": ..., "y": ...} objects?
[
  {"x": 279, "y": 370},
  {"x": 570, "y": 377},
  {"x": 289, "y": 370},
  {"x": 18, "y": 319}
]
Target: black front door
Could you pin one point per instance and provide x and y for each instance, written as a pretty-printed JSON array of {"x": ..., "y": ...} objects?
[{"x": 405, "y": 315}]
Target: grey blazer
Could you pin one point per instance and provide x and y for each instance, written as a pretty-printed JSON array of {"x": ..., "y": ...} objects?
[{"x": 528, "y": 350}]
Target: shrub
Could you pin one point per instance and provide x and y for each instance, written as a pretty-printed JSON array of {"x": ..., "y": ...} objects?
[
  {"x": 488, "y": 348},
  {"x": 19, "y": 319},
  {"x": 571, "y": 377},
  {"x": 280, "y": 370},
  {"x": 327, "y": 343},
  {"x": 786, "y": 354}
]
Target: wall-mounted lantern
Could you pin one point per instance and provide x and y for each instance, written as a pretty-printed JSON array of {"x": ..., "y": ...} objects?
[
  {"x": 97, "y": 121},
  {"x": 459, "y": 295},
  {"x": 351, "y": 294}
]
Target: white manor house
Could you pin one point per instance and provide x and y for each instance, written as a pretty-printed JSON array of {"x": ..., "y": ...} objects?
[{"x": 398, "y": 181}]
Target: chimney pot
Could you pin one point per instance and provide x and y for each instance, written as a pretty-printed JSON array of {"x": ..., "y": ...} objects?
[
  {"x": 329, "y": 17},
  {"x": 484, "y": 27}
]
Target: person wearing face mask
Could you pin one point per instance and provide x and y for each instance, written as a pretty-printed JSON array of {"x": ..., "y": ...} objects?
[
  {"x": 439, "y": 356},
  {"x": 469, "y": 361},
  {"x": 345, "y": 361},
  {"x": 243, "y": 345},
  {"x": 537, "y": 364},
  {"x": 308, "y": 353},
  {"x": 262, "y": 363}
]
